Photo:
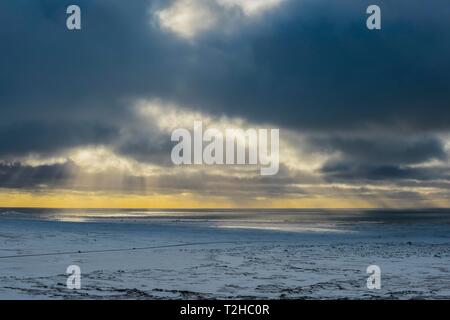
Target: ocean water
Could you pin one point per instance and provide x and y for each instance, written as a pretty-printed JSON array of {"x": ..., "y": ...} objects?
[
  {"x": 321, "y": 220},
  {"x": 426, "y": 215}
]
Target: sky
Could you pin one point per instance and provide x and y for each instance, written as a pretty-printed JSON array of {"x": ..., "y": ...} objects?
[{"x": 86, "y": 115}]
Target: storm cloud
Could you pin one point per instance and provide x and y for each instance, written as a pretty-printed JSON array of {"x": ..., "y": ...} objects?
[{"x": 374, "y": 103}]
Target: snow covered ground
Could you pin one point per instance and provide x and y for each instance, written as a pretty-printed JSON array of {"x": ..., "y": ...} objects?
[{"x": 184, "y": 258}]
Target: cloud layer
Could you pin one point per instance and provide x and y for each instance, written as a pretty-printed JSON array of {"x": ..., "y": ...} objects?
[{"x": 356, "y": 108}]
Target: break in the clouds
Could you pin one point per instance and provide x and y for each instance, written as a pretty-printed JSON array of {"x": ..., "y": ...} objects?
[
  {"x": 362, "y": 113},
  {"x": 190, "y": 18}
]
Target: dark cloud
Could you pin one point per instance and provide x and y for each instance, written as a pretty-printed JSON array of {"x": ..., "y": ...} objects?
[
  {"x": 307, "y": 65},
  {"x": 83, "y": 80},
  {"x": 16, "y": 175},
  {"x": 384, "y": 158},
  {"x": 356, "y": 172},
  {"x": 314, "y": 66},
  {"x": 384, "y": 149},
  {"x": 46, "y": 137},
  {"x": 69, "y": 176}
]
